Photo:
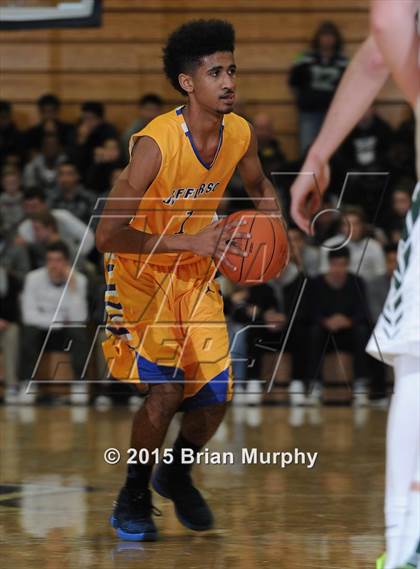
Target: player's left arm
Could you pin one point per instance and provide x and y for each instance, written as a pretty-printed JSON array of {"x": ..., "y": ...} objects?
[
  {"x": 256, "y": 183},
  {"x": 393, "y": 26}
]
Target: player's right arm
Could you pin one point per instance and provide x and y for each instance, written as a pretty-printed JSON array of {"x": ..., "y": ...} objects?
[
  {"x": 114, "y": 233},
  {"x": 393, "y": 24},
  {"x": 361, "y": 82}
]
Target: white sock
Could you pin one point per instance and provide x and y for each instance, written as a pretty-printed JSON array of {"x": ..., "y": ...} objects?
[
  {"x": 403, "y": 438},
  {"x": 412, "y": 522}
]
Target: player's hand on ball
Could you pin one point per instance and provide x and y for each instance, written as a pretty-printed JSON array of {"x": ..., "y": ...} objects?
[
  {"x": 218, "y": 238},
  {"x": 307, "y": 191}
]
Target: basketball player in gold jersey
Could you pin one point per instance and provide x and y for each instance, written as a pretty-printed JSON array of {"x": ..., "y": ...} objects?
[
  {"x": 391, "y": 49},
  {"x": 165, "y": 323}
]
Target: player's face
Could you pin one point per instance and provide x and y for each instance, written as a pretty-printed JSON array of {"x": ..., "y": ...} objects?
[{"x": 214, "y": 82}]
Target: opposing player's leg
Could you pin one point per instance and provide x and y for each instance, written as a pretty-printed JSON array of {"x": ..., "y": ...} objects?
[
  {"x": 412, "y": 523},
  {"x": 407, "y": 369},
  {"x": 412, "y": 564},
  {"x": 397, "y": 339},
  {"x": 403, "y": 439}
]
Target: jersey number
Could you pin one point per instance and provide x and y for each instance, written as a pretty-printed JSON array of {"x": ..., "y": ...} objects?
[{"x": 181, "y": 229}]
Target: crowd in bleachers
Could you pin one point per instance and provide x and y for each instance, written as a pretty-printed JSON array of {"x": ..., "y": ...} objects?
[
  {"x": 51, "y": 177},
  {"x": 52, "y": 174}
]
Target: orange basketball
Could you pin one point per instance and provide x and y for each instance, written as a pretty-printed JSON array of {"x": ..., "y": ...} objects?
[{"x": 267, "y": 248}]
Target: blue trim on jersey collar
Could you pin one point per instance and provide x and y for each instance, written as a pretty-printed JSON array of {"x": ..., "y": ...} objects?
[{"x": 206, "y": 165}]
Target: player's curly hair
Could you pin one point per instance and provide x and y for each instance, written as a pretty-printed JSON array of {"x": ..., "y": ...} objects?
[{"x": 192, "y": 41}]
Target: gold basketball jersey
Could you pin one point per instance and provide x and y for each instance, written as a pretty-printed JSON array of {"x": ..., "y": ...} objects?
[{"x": 186, "y": 192}]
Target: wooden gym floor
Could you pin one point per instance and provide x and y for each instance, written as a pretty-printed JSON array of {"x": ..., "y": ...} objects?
[{"x": 56, "y": 492}]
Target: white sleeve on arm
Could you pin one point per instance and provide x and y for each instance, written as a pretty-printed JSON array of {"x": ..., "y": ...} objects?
[
  {"x": 77, "y": 299},
  {"x": 75, "y": 230},
  {"x": 25, "y": 231},
  {"x": 31, "y": 313}
]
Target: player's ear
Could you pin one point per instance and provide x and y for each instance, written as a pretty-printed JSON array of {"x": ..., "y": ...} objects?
[{"x": 186, "y": 82}]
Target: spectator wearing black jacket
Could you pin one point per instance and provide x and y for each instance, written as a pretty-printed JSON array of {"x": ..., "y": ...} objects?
[
  {"x": 314, "y": 78},
  {"x": 92, "y": 132},
  {"x": 339, "y": 315},
  {"x": 49, "y": 107},
  {"x": 258, "y": 307},
  {"x": 266, "y": 310},
  {"x": 368, "y": 143},
  {"x": 107, "y": 159},
  {"x": 10, "y": 136},
  {"x": 402, "y": 155},
  {"x": 364, "y": 153}
]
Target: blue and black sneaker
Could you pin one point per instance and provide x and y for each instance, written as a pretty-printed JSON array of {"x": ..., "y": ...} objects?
[
  {"x": 132, "y": 516},
  {"x": 190, "y": 507}
]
